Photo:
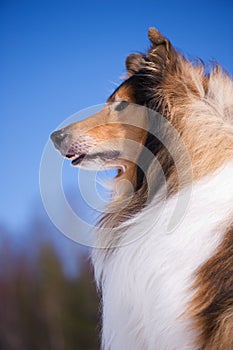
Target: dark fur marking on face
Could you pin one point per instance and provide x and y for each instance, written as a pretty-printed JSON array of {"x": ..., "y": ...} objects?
[{"x": 121, "y": 106}]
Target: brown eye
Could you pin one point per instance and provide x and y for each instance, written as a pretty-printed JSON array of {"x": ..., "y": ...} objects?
[{"x": 122, "y": 105}]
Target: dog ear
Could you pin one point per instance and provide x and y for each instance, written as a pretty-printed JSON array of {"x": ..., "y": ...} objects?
[
  {"x": 134, "y": 62},
  {"x": 161, "y": 52}
]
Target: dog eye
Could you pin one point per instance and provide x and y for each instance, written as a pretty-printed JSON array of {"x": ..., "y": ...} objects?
[{"x": 122, "y": 105}]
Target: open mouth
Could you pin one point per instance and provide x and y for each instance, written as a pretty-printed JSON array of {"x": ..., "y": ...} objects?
[{"x": 107, "y": 156}]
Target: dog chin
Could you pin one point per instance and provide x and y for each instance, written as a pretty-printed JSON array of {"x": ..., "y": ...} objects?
[{"x": 89, "y": 164}]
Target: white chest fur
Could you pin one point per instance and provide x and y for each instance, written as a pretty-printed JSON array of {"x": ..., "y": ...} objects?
[{"x": 146, "y": 284}]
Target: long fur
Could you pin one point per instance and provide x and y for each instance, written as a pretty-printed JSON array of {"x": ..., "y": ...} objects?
[
  {"x": 154, "y": 285},
  {"x": 146, "y": 282},
  {"x": 164, "y": 256}
]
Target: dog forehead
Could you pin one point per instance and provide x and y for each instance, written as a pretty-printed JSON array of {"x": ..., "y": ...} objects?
[{"x": 123, "y": 93}]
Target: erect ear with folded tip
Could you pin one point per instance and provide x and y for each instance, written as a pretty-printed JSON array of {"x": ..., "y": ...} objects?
[
  {"x": 161, "y": 51},
  {"x": 134, "y": 63}
]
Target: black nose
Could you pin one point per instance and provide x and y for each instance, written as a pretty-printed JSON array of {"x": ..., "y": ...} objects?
[{"x": 58, "y": 137}]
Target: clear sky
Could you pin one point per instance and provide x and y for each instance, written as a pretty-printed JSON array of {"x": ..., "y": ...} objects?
[{"x": 58, "y": 57}]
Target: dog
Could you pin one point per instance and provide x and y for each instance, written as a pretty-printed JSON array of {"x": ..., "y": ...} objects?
[{"x": 164, "y": 256}]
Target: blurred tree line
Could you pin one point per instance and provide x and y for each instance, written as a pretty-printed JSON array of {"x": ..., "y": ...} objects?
[{"x": 42, "y": 307}]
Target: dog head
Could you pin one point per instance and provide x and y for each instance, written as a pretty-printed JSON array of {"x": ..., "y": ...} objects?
[{"x": 114, "y": 137}]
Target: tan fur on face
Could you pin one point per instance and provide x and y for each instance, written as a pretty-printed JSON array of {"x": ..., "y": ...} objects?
[{"x": 112, "y": 130}]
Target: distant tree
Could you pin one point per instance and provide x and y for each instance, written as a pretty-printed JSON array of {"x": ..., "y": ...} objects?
[
  {"x": 82, "y": 316},
  {"x": 41, "y": 307}
]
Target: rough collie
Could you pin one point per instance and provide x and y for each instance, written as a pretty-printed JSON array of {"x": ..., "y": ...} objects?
[{"x": 164, "y": 256}]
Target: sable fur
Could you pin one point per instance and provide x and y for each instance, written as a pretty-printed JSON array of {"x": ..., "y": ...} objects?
[
  {"x": 164, "y": 292},
  {"x": 200, "y": 106},
  {"x": 197, "y": 104},
  {"x": 212, "y": 305}
]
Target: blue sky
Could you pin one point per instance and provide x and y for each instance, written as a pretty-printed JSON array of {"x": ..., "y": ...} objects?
[{"x": 58, "y": 57}]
